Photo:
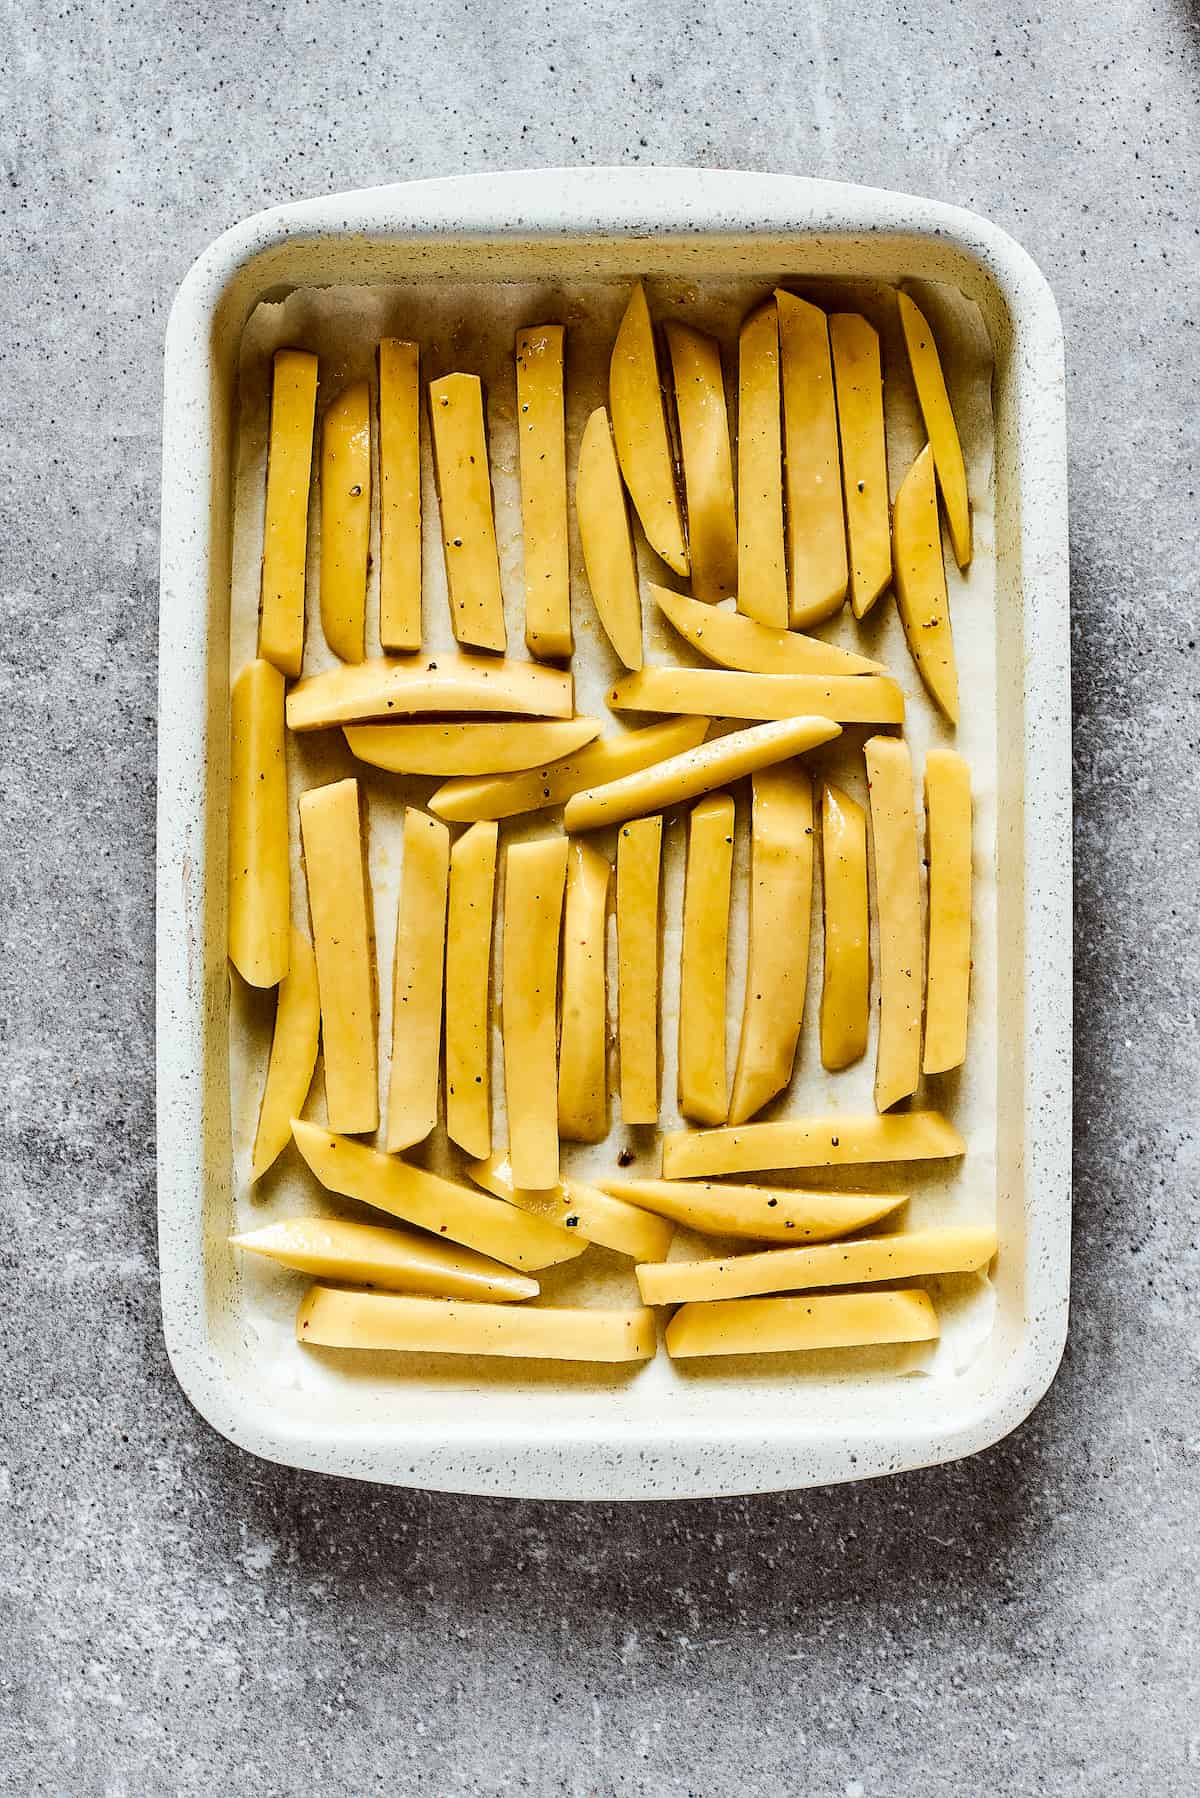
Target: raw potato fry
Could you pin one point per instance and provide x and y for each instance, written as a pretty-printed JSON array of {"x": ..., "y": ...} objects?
[
  {"x": 339, "y": 901},
  {"x": 378, "y": 1320},
  {"x": 921, "y": 596},
  {"x": 293, "y": 1055},
  {"x": 259, "y": 877},
  {"x": 583, "y": 1042},
  {"x": 397, "y": 1260},
  {"x": 948, "y": 839},
  {"x": 388, "y": 686},
  {"x": 285, "y": 526},
  {"x": 683, "y": 777},
  {"x": 759, "y": 1213},
  {"x": 762, "y": 591},
  {"x": 776, "y": 1326},
  {"x": 543, "y": 456},
  {"x": 916, "y": 1255},
  {"x": 719, "y": 693},
  {"x": 611, "y": 1222},
  {"x": 736, "y": 642},
  {"x": 939, "y": 425},
  {"x": 781, "y": 872},
  {"x": 463, "y": 801},
  {"x": 464, "y": 487},
  {"x": 639, "y": 871},
  {"x": 703, "y": 1085},
  {"x": 533, "y": 900},
  {"x": 399, "y": 495},
  {"x": 898, "y": 906},
  {"x": 607, "y": 541},
  {"x": 858, "y": 380},
  {"x": 639, "y": 423},
  {"x": 417, "y": 981},
  {"x": 846, "y": 982},
  {"x": 468, "y": 979},
  {"x": 816, "y": 525},
  {"x": 442, "y": 1207},
  {"x": 707, "y": 461},
  {"x": 458, "y": 748},
  {"x": 810, "y": 1142},
  {"x": 346, "y": 521}
]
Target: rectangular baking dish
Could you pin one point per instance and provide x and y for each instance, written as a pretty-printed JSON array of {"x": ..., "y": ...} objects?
[{"x": 598, "y": 1442}]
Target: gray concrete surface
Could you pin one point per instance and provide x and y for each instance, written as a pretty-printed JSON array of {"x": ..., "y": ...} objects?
[{"x": 178, "y": 1619}]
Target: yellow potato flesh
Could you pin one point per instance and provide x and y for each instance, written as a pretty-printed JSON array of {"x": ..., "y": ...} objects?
[
  {"x": 461, "y": 748},
  {"x": 399, "y": 495},
  {"x": 377, "y": 1320},
  {"x": 810, "y": 1142},
  {"x": 816, "y": 526},
  {"x": 758, "y": 1213},
  {"x": 917, "y": 1255},
  {"x": 394, "y": 686},
  {"x": 854, "y": 344},
  {"x": 543, "y": 459},
  {"x": 736, "y": 642},
  {"x": 346, "y": 521},
  {"x": 640, "y": 429},
  {"x": 939, "y": 425},
  {"x": 597, "y": 1216},
  {"x": 921, "y": 596},
  {"x": 777, "y": 1326},
  {"x": 339, "y": 902},
  {"x": 285, "y": 526},
  {"x": 948, "y": 840},
  {"x": 846, "y": 983},
  {"x": 703, "y": 1085},
  {"x": 535, "y": 875},
  {"x": 396, "y": 1260},
  {"x": 464, "y": 487},
  {"x": 417, "y": 981},
  {"x": 723, "y": 693},
  {"x": 607, "y": 542},
  {"x": 762, "y": 591},
  {"x": 707, "y": 461},
  {"x": 898, "y": 910},
  {"x": 639, "y": 865},
  {"x": 293, "y": 1055},
  {"x": 583, "y": 1039},
  {"x": 468, "y": 981},
  {"x": 259, "y": 878}
]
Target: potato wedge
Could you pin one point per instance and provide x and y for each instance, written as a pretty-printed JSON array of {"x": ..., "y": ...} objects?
[
  {"x": 686, "y": 776},
  {"x": 379, "y": 1320},
  {"x": 818, "y": 573},
  {"x": 460, "y": 748},
  {"x": 339, "y": 901},
  {"x": 346, "y": 521},
  {"x": 639, "y": 423},
  {"x": 542, "y": 448},
  {"x": 707, "y": 460},
  {"x": 736, "y": 642},
  {"x": 259, "y": 876},
  {"x": 333, "y": 1248},
  {"x": 293, "y": 1055},
  {"x": 583, "y": 1030},
  {"x": 393, "y": 686},
  {"x": 914, "y": 1255},
  {"x": 846, "y": 982},
  {"x": 285, "y": 525},
  {"x": 399, "y": 496},
  {"x": 898, "y": 906},
  {"x": 858, "y": 380},
  {"x": 757, "y": 1213},
  {"x": 921, "y": 596},
  {"x": 535, "y": 875},
  {"x": 611, "y": 1222},
  {"x": 781, "y": 879},
  {"x": 810, "y": 1142},
  {"x": 639, "y": 873},
  {"x": 417, "y": 981},
  {"x": 939, "y": 425},
  {"x": 703, "y": 1082},
  {"x": 468, "y": 982},
  {"x": 762, "y": 590},
  {"x": 777, "y": 1326},
  {"x": 464, "y": 484},
  {"x": 720, "y": 693},
  {"x": 607, "y": 541},
  {"x": 443, "y": 1207},
  {"x": 948, "y": 851}
]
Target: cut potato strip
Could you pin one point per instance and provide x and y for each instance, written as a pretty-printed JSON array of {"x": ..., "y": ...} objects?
[
  {"x": 703, "y": 1084},
  {"x": 781, "y": 875},
  {"x": 607, "y": 541},
  {"x": 464, "y": 485},
  {"x": 758, "y": 1213},
  {"x": 777, "y": 1326},
  {"x": 683, "y": 777},
  {"x": 707, "y": 461},
  {"x": 762, "y": 590},
  {"x": 346, "y": 521},
  {"x": 459, "y": 748},
  {"x": 939, "y": 425},
  {"x": 583, "y": 1040},
  {"x": 378, "y": 1320},
  {"x": 948, "y": 840},
  {"x": 917, "y": 1255},
  {"x": 442, "y": 1207},
  {"x": 640, "y": 429},
  {"x": 597, "y": 1216},
  {"x": 399, "y": 495},
  {"x": 898, "y": 905},
  {"x": 535, "y": 874},
  {"x": 810, "y": 1142},
  {"x": 541, "y": 438},
  {"x": 816, "y": 525},
  {"x": 921, "y": 596},
  {"x": 417, "y": 981},
  {"x": 388, "y": 686},
  {"x": 259, "y": 877},
  {"x": 285, "y": 524},
  {"x": 719, "y": 693},
  {"x": 846, "y": 984},
  {"x": 397, "y": 1260},
  {"x": 736, "y": 642},
  {"x": 293, "y": 1055},
  {"x": 463, "y": 801},
  {"x": 468, "y": 983},
  {"x": 639, "y": 866},
  {"x": 339, "y": 902},
  {"x": 858, "y": 380}
]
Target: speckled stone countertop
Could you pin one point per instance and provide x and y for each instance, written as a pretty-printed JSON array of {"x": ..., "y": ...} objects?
[{"x": 180, "y": 1619}]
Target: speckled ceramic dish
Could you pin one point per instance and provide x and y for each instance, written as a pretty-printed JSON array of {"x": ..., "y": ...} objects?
[{"x": 668, "y": 1431}]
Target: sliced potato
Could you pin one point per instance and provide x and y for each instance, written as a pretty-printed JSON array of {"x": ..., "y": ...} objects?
[
  {"x": 535, "y": 875},
  {"x": 810, "y": 1142},
  {"x": 939, "y": 425},
  {"x": 816, "y": 526},
  {"x": 259, "y": 876},
  {"x": 915, "y": 1255},
  {"x": 346, "y": 521},
  {"x": 858, "y": 379},
  {"x": 846, "y": 984},
  {"x": 293, "y": 1055},
  {"x": 541, "y": 439},
  {"x": 759, "y": 1213},
  {"x": 285, "y": 525},
  {"x": 468, "y": 982},
  {"x": 583, "y": 1039},
  {"x": 948, "y": 839},
  {"x": 898, "y": 906},
  {"x": 639, "y": 422},
  {"x": 762, "y": 591},
  {"x": 399, "y": 495},
  {"x": 611, "y": 1222},
  {"x": 460, "y": 748},
  {"x": 707, "y": 460},
  {"x": 417, "y": 981},
  {"x": 464, "y": 484},
  {"x": 639, "y": 872},
  {"x": 720, "y": 693},
  {"x": 339, "y": 901},
  {"x": 921, "y": 596},
  {"x": 333, "y": 1248},
  {"x": 777, "y": 1326},
  {"x": 736, "y": 642},
  {"x": 393, "y": 686},
  {"x": 380, "y": 1320},
  {"x": 703, "y": 1083},
  {"x": 607, "y": 541}
]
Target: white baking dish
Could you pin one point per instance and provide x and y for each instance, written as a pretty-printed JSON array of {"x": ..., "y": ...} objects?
[{"x": 597, "y": 1439}]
